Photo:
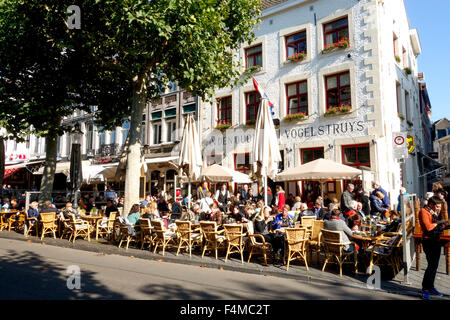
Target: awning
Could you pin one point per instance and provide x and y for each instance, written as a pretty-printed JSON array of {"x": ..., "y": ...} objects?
[
  {"x": 99, "y": 172},
  {"x": 63, "y": 167},
  {"x": 161, "y": 159},
  {"x": 10, "y": 172}
]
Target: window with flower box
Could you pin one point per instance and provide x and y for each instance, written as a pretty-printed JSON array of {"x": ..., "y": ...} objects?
[
  {"x": 224, "y": 108},
  {"x": 253, "y": 56},
  {"x": 295, "y": 43},
  {"x": 335, "y": 31},
  {"x": 214, "y": 159},
  {"x": 311, "y": 154},
  {"x": 252, "y": 101},
  {"x": 338, "y": 90},
  {"x": 242, "y": 162},
  {"x": 297, "y": 97},
  {"x": 356, "y": 155}
]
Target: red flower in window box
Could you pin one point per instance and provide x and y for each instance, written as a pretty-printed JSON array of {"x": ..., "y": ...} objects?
[
  {"x": 223, "y": 126},
  {"x": 343, "y": 108},
  {"x": 298, "y": 56},
  {"x": 341, "y": 44},
  {"x": 296, "y": 116}
]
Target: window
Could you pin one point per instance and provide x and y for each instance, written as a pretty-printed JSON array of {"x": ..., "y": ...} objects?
[
  {"x": 173, "y": 86},
  {"x": 356, "y": 155},
  {"x": 335, "y": 31},
  {"x": 397, "y": 91},
  {"x": 253, "y": 56},
  {"x": 405, "y": 58},
  {"x": 440, "y": 133},
  {"x": 171, "y": 128},
  {"x": 143, "y": 126},
  {"x": 295, "y": 43},
  {"x": 90, "y": 137},
  {"x": 156, "y": 115},
  {"x": 310, "y": 154},
  {"x": 113, "y": 136},
  {"x": 224, "y": 110},
  {"x": 407, "y": 105},
  {"x": 338, "y": 90},
  {"x": 281, "y": 163},
  {"x": 242, "y": 162},
  {"x": 125, "y": 129},
  {"x": 213, "y": 159},
  {"x": 189, "y": 108},
  {"x": 297, "y": 97},
  {"x": 170, "y": 112},
  {"x": 395, "y": 45},
  {"x": 157, "y": 132},
  {"x": 252, "y": 100}
]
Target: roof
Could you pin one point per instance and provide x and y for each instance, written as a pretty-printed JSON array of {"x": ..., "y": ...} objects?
[{"x": 271, "y": 3}]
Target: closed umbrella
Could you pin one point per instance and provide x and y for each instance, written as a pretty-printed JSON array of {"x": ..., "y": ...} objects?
[
  {"x": 266, "y": 153},
  {"x": 190, "y": 159}
]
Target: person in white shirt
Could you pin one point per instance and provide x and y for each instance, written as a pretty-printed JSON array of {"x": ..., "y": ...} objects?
[
  {"x": 206, "y": 203},
  {"x": 223, "y": 198}
]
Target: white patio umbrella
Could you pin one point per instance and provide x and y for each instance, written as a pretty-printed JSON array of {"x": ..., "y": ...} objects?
[
  {"x": 218, "y": 173},
  {"x": 190, "y": 159},
  {"x": 319, "y": 170},
  {"x": 266, "y": 153}
]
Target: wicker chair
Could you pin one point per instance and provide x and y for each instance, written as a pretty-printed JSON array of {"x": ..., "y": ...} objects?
[
  {"x": 296, "y": 240},
  {"x": 185, "y": 237},
  {"x": 126, "y": 235},
  {"x": 258, "y": 244},
  {"x": 65, "y": 228},
  {"x": 308, "y": 223},
  {"x": 213, "y": 239},
  {"x": 79, "y": 228},
  {"x": 146, "y": 233},
  {"x": 48, "y": 223},
  {"x": 334, "y": 250},
  {"x": 19, "y": 223},
  {"x": 234, "y": 235},
  {"x": 163, "y": 237},
  {"x": 32, "y": 223},
  {"x": 314, "y": 244},
  {"x": 3, "y": 222},
  {"x": 106, "y": 229},
  {"x": 386, "y": 253}
]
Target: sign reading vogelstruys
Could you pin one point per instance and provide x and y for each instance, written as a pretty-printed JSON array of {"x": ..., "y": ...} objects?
[{"x": 332, "y": 129}]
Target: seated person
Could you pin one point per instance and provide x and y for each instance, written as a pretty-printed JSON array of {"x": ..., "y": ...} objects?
[
  {"x": 396, "y": 221},
  {"x": 237, "y": 215},
  {"x": 146, "y": 202},
  {"x": 354, "y": 222},
  {"x": 15, "y": 205},
  {"x": 49, "y": 207},
  {"x": 282, "y": 220},
  {"x": 90, "y": 206},
  {"x": 110, "y": 207},
  {"x": 68, "y": 209},
  {"x": 191, "y": 214},
  {"x": 377, "y": 206},
  {"x": 216, "y": 214},
  {"x": 134, "y": 216},
  {"x": 336, "y": 224},
  {"x": 33, "y": 211}
]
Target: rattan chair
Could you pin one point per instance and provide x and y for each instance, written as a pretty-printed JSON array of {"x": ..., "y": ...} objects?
[
  {"x": 296, "y": 240},
  {"x": 106, "y": 229},
  {"x": 127, "y": 235},
  {"x": 308, "y": 223},
  {"x": 334, "y": 250},
  {"x": 213, "y": 239},
  {"x": 65, "y": 228},
  {"x": 258, "y": 244},
  {"x": 146, "y": 233},
  {"x": 3, "y": 222},
  {"x": 163, "y": 237},
  {"x": 48, "y": 223},
  {"x": 79, "y": 228},
  {"x": 386, "y": 253},
  {"x": 32, "y": 223},
  {"x": 186, "y": 237},
  {"x": 314, "y": 244},
  {"x": 17, "y": 224},
  {"x": 234, "y": 235}
]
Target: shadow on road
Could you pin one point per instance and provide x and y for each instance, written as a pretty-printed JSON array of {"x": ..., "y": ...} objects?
[{"x": 25, "y": 275}]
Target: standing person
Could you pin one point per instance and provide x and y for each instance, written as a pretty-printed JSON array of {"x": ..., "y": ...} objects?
[
  {"x": 439, "y": 191},
  {"x": 110, "y": 194},
  {"x": 346, "y": 198},
  {"x": 223, "y": 198},
  {"x": 363, "y": 197},
  {"x": 431, "y": 245},
  {"x": 280, "y": 200},
  {"x": 376, "y": 186},
  {"x": 377, "y": 206},
  {"x": 399, "y": 199},
  {"x": 202, "y": 190},
  {"x": 244, "y": 193}
]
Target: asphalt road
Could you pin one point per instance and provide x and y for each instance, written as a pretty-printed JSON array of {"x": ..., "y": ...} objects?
[{"x": 36, "y": 271}]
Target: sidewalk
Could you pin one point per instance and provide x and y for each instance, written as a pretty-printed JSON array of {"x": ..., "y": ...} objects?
[{"x": 296, "y": 271}]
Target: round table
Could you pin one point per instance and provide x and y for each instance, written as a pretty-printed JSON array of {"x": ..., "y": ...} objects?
[{"x": 3, "y": 223}]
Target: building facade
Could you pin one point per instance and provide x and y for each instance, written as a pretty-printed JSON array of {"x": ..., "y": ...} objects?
[
  {"x": 343, "y": 77},
  {"x": 442, "y": 147}
]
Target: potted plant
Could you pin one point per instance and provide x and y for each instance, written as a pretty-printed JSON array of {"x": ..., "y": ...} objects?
[
  {"x": 341, "y": 44},
  {"x": 295, "y": 116},
  {"x": 250, "y": 123},
  {"x": 298, "y": 56},
  {"x": 343, "y": 108},
  {"x": 401, "y": 116},
  {"x": 409, "y": 123},
  {"x": 397, "y": 58},
  {"x": 222, "y": 126},
  {"x": 407, "y": 70}
]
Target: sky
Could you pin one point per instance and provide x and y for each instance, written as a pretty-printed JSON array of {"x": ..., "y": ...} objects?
[{"x": 430, "y": 18}]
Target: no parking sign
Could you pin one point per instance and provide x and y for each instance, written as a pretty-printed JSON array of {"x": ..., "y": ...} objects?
[{"x": 400, "y": 145}]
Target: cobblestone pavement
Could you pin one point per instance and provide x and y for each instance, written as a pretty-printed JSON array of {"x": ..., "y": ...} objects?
[{"x": 297, "y": 269}]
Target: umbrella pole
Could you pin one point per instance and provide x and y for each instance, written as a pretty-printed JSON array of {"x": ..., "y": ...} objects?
[
  {"x": 265, "y": 189},
  {"x": 189, "y": 193}
]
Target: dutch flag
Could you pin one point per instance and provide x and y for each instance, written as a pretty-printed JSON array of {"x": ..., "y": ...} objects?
[{"x": 263, "y": 94}]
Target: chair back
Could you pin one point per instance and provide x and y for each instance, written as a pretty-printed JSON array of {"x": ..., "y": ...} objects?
[
  {"x": 112, "y": 219},
  {"x": 159, "y": 228},
  {"x": 332, "y": 241},
  {"x": 208, "y": 229},
  {"x": 144, "y": 223},
  {"x": 296, "y": 238},
  {"x": 233, "y": 233},
  {"x": 48, "y": 219},
  {"x": 316, "y": 229},
  {"x": 183, "y": 229},
  {"x": 307, "y": 222},
  {"x": 250, "y": 227}
]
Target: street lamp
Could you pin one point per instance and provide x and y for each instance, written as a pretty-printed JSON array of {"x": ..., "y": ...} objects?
[{"x": 75, "y": 162}]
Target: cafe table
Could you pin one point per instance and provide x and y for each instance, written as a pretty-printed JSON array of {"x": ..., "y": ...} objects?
[
  {"x": 366, "y": 238},
  {"x": 445, "y": 237},
  {"x": 3, "y": 214},
  {"x": 92, "y": 220}
]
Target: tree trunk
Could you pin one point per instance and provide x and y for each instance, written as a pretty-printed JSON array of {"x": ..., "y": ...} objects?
[
  {"x": 51, "y": 144},
  {"x": 2, "y": 164},
  {"x": 132, "y": 175}
]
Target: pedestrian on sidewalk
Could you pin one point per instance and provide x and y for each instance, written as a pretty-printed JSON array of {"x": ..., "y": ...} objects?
[{"x": 432, "y": 228}]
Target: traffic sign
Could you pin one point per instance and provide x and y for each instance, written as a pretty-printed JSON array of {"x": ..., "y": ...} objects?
[{"x": 400, "y": 145}]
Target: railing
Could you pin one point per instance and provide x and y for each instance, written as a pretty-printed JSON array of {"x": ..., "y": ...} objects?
[{"x": 107, "y": 150}]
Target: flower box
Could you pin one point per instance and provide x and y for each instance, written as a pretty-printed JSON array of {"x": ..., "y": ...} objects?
[
  {"x": 409, "y": 123},
  {"x": 401, "y": 116},
  {"x": 223, "y": 126},
  {"x": 342, "y": 109},
  {"x": 407, "y": 70},
  {"x": 397, "y": 58},
  {"x": 250, "y": 123},
  {"x": 341, "y": 44},
  {"x": 295, "y": 116},
  {"x": 300, "y": 56}
]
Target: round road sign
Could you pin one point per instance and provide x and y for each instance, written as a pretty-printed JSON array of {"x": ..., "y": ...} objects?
[{"x": 399, "y": 140}]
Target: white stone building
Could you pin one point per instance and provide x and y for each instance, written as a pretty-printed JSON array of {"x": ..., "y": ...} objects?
[{"x": 366, "y": 75}]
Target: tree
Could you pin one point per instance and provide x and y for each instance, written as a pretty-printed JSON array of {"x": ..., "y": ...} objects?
[
  {"x": 150, "y": 43},
  {"x": 40, "y": 77}
]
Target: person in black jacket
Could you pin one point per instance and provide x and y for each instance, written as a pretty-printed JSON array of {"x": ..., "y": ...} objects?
[
  {"x": 362, "y": 197},
  {"x": 49, "y": 207}
]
